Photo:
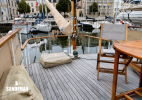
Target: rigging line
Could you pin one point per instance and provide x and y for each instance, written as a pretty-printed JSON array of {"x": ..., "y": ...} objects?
[{"x": 129, "y": 15}]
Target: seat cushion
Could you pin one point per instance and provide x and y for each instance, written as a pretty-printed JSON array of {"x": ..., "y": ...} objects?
[
  {"x": 108, "y": 51},
  {"x": 17, "y": 85},
  {"x": 54, "y": 59}
]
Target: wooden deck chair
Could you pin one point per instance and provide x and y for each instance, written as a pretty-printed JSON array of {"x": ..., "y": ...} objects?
[{"x": 112, "y": 32}]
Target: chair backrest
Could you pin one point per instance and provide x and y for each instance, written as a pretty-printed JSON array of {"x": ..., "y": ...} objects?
[{"x": 113, "y": 32}]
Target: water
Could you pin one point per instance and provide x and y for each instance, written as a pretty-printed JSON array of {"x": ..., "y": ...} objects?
[
  {"x": 85, "y": 45},
  {"x": 35, "y": 47}
]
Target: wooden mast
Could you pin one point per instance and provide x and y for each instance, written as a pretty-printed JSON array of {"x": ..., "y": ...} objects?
[{"x": 74, "y": 24}]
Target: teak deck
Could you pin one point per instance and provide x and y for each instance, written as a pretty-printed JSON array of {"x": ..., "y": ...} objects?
[{"x": 78, "y": 80}]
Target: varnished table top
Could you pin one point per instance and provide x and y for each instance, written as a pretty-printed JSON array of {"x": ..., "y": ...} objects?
[{"x": 131, "y": 48}]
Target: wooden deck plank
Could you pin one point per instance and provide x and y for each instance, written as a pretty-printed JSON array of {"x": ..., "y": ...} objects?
[
  {"x": 90, "y": 82},
  {"x": 32, "y": 71},
  {"x": 43, "y": 80},
  {"x": 39, "y": 79},
  {"x": 76, "y": 84},
  {"x": 70, "y": 94},
  {"x": 49, "y": 85},
  {"x": 76, "y": 93},
  {"x": 54, "y": 86},
  {"x": 58, "y": 85},
  {"x": 78, "y": 81},
  {"x": 86, "y": 90}
]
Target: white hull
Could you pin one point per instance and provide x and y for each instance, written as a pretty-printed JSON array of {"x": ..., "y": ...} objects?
[
  {"x": 43, "y": 27},
  {"x": 96, "y": 25},
  {"x": 25, "y": 28},
  {"x": 91, "y": 24},
  {"x": 96, "y": 31},
  {"x": 134, "y": 17}
]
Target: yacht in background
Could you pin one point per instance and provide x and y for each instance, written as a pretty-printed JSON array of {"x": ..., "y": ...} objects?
[
  {"x": 21, "y": 23},
  {"x": 42, "y": 26},
  {"x": 132, "y": 14}
]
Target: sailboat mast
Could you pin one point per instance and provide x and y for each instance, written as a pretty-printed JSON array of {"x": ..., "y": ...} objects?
[
  {"x": 74, "y": 24},
  {"x": 42, "y": 6},
  {"x": 86, "y": 7}
]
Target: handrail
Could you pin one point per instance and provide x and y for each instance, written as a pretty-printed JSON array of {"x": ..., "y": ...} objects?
[
  {"x": 8, "y": 36},
  {"x": 95, "y": 37},
  {"x": 26, "y": 42}
]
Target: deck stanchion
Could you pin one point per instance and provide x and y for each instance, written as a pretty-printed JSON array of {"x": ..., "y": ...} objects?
[
  {"x": 13, "y": 55},
  {"x": 26, "y": 56},
  {"x": 45, "y": 46},
  {"x": 88, "y": 44},
  {"x": 69, "y": 43},
  {"x": 20, "y": 38}
]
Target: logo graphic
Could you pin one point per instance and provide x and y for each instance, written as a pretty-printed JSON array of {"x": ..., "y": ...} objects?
[{"x": 16, "y": 88}]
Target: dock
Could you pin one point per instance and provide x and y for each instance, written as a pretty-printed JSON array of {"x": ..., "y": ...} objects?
[{"x": 78, "y": 80}]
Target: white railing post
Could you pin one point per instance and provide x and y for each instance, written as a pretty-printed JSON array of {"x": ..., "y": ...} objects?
[
  {"x": 88, "y": 44},
  {"x": 20, "y": 38},
  {"x": 13, "y": 55},
  {"x": 69, "y": 44},
  {"x": 26, "y": 56},
  {"x": 45, "y": 46}
]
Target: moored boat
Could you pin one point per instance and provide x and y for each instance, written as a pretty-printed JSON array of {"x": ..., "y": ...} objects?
[{"x": 21, "y": 23}]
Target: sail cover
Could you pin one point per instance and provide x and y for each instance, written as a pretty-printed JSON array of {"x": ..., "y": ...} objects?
[{"x": 64, "y": 26}]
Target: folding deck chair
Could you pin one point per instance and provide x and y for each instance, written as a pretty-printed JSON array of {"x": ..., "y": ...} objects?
[{"x": 112, "y": 32}]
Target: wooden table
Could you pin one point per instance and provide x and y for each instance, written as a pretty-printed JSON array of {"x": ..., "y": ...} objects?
[{"x": 133, "y": 49}]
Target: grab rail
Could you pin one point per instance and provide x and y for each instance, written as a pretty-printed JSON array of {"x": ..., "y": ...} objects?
[
  {"x": 26, "y": 42},
  {"x": 8, "y": 36}
]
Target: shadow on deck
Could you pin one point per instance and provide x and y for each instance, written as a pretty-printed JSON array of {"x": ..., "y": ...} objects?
[{"x": 78, "y": 80}]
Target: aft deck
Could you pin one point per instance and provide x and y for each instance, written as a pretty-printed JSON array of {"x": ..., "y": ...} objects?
[{"x": 78, "y": 80}]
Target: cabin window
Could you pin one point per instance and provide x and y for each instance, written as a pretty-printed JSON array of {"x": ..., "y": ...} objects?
[
  {"x": 28, "y": 3},
  {"x": 31, "y": 4}
]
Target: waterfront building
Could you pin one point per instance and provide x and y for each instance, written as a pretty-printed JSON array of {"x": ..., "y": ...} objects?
[
  {"x": 120, "y": 2},
  {"x": 32, "y": 4},
  {"x": 12, "y": 9},
  {"x": 3, "y": 10},
  {"x": 80, "y": 9},
  {"x": 105, "y": 8},
  {"x": 17, "y": 1}
]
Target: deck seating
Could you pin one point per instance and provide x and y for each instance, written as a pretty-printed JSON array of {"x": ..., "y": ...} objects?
[
  {"x": 17, "y": 85},
  {"x": 112, "y": 32},
  {"x": 54, "y": 59}
]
